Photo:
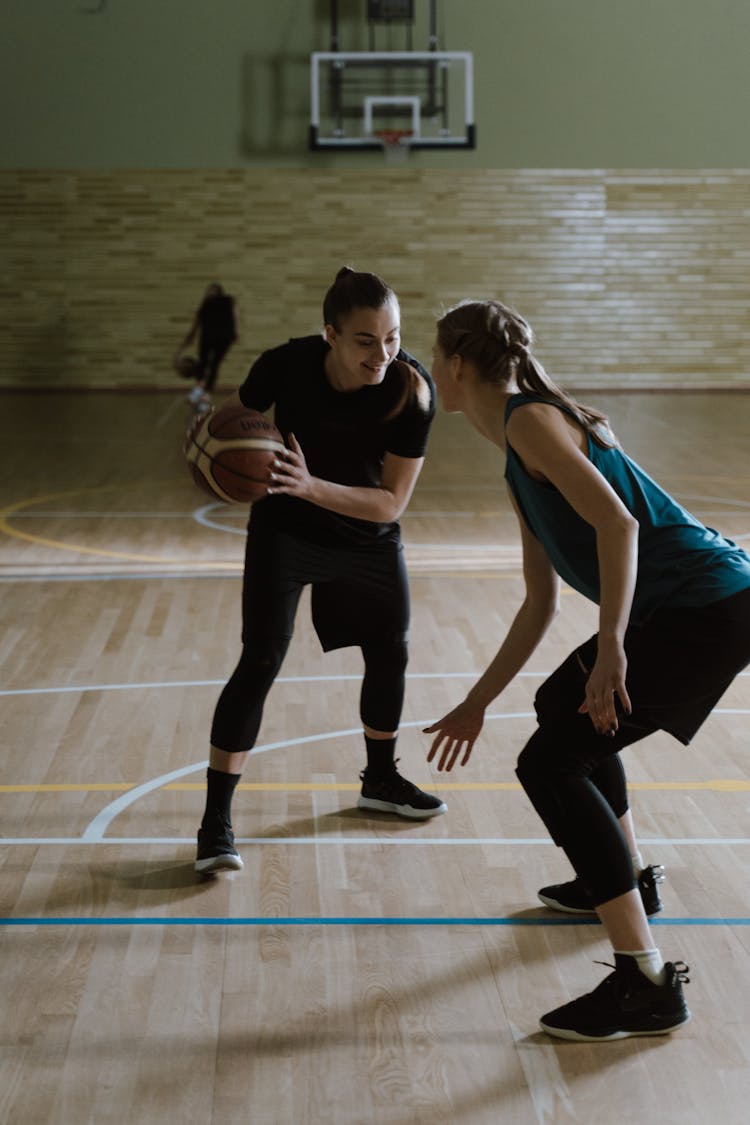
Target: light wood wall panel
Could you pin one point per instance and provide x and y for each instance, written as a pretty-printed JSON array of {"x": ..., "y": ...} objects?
[{"x": 630, "y": 278}]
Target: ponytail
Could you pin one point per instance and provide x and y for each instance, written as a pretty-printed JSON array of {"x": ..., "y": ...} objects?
[{"x": 497, "y": 340}]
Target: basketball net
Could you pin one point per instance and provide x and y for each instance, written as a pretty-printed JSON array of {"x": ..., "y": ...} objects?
[{"x": 395, "y": 144}]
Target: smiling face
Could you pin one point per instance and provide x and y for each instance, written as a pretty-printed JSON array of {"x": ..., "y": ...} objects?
[{"x": 366, "y": 341}]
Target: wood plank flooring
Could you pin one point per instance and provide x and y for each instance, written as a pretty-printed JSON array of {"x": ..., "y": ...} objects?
[{"x": 361, "y": 969}]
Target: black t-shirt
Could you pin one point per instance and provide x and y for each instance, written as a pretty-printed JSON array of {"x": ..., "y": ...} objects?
[
  {"x": 216, "y": 316},
  {"x": 344, "y": 435}
]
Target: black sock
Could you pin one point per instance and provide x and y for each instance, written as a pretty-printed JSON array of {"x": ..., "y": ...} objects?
[
  {"x": 380, "y": 757},
  {"x": 219, "y": 793}
]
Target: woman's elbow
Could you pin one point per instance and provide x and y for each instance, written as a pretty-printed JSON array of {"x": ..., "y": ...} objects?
[
  {"x": 544, "y": 607},
  {"x": 392, "y": 513},
  {"x": 392, "y": 505},
  {"x": 632, "y": 524},
  {"x": 551, "y": 609},
  {"x": 620, "y": 527}
]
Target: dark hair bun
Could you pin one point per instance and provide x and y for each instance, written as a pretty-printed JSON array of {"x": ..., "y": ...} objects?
[{"x": 354, "y": 290}]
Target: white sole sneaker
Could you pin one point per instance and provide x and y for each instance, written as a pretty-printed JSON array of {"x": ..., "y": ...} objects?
[
  {"x": 401, "y": 810},
  {"x": 224, "y": 862}
]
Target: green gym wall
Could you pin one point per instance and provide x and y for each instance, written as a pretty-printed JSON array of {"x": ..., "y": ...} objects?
[{"x": 154, "y": 145}]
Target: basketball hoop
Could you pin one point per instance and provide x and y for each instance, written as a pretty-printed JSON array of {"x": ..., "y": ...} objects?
[{"x": 395, "y": 144}]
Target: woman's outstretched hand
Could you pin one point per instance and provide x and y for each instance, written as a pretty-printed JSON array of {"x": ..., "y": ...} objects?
[{"x": 455, "y": 732}]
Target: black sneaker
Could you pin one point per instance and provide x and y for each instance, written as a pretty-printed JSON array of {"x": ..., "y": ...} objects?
[
  {"x": 625, "y": 1003},
  {"x": 575, "y": 897},
  {"x": 395, "y": 794},
  {"x": 216, "y": 850}
]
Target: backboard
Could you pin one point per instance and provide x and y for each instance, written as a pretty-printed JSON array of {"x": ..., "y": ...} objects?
[{"x": 426, "y": 96}]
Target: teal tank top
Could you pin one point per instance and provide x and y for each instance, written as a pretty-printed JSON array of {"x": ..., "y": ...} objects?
[{"x": 680, "y": 562}]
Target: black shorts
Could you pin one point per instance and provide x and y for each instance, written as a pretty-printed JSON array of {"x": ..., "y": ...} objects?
[
  {"x": 680, "y": 663},
  {"x": 360, "y": 594}
]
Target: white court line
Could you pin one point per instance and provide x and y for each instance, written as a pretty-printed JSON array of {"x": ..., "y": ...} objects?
[
  {"x": 98, "y": 826},
  {"x": 204, "y": 516},
  {"x": 220, "y": 683},
  {"x": 161, "y": 684},
  {"x": 240, "y": 514},
  {"x": 95, "y": 831},
  {"x": 541, "y": 1064},
  {"x": 166, "y": 415},
  {"x": 396, "y": 841},
  {"x": 129, "y": 576}
]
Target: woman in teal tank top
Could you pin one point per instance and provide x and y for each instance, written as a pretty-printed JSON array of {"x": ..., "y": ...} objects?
[{"x": 674, "y": 630}]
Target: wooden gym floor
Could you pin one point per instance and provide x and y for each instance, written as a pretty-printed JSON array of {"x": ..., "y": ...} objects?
[{"x": 361, "y": 968}]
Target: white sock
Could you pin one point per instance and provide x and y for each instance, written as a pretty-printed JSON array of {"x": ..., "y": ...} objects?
[
  {"x": 649, "y": 961},
  {"x": 637, "y": 859}
]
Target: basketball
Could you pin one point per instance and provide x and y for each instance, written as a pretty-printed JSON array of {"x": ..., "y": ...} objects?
[
  {"x": 188, "y": 367},
  {"x": 230, "y": 454}
]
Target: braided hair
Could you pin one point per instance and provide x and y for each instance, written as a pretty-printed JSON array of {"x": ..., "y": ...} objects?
[{"x": 498, "y": 341}]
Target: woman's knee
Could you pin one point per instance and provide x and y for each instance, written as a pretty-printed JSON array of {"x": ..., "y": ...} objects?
[
  {"x": 382, "y": 695},
  {"x": 239, "y": 709},
  {"x": 386, "y": 655},
  {"x": 552, "y": 764},
  {"x": 261, "y": 660},
  {"x": 536, "y": 762}
]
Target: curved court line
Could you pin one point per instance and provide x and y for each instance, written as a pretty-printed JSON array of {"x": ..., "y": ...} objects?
[
  {"x": 92, "y": 831},
  {"x": 202, "y": 516},
  {"x": 40, "y": 540},
  {"x": 97, "y": 827}
]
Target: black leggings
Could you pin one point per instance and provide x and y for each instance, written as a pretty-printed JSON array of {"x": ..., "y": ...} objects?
[
  {"x": 580, "y": 795},
  {"x": 679, "y": 665},
  {"x": 210, "y": 354},
  {"x": 239, "y": 710}
]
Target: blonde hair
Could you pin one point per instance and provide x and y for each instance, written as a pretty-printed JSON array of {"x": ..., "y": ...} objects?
[{"x": 497, "y": 340}]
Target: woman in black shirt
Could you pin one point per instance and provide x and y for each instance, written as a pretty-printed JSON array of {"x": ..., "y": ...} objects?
[
  {"x": 355, "y": 411},
  {"x": 215, "y": 325}
]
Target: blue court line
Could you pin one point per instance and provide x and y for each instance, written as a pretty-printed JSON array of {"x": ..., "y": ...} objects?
[{"x": 344, "y": 921}]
